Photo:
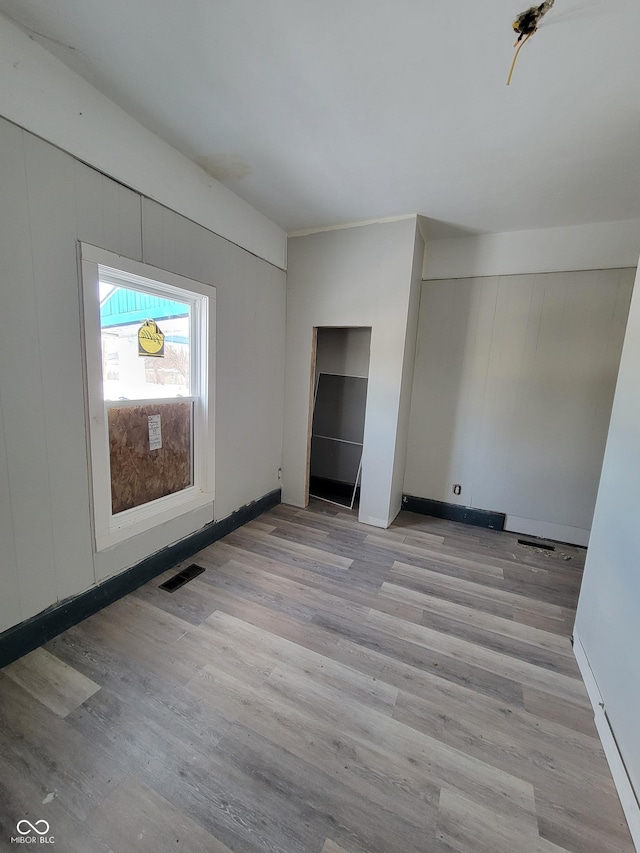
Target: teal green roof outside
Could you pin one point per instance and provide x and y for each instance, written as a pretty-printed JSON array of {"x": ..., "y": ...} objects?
[{"x": 123, "y": 307}]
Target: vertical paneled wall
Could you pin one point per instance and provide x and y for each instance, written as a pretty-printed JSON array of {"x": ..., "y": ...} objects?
[
  {"x": 250, "y": 344},
  {"x": 408, "y": 367},
  {"x": 49, "y": 201},
  {"x": 607, "y": 624},
  {"x": 512, "y": 394},
  {"x": 352, "y": 277}
]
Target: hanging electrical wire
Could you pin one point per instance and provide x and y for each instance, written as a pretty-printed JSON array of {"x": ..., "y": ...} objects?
[{"x": 526, "y": 25}]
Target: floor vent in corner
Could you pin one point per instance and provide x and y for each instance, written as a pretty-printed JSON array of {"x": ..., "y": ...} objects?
[{"x": 182, "y": 578}]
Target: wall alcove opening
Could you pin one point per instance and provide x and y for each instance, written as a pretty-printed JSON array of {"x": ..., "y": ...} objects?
[{"x": 339, "y": 397}]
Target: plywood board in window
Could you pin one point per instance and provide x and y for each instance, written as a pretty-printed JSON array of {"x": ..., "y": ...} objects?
[{"x": 140, "y": 475}]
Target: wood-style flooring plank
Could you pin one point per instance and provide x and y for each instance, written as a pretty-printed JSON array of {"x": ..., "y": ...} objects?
[
  {"x": 286, "y": 546},
  {"x": 481, "y": 597},
  {"x": 58, "y": 686},
  {"x": 405, "y": 753},
  {"x": 569, "y": 824},
  {"x": 557, "y": 759},
  {"x": 470, "y": 616},
  {"x": 36, "y": 744},
  {"x": 466, "y": 825},
  {"x": 341, "y": 584},
  {"x": 521, "y": 671},
  {"x": 252, "y": 644},
  {"x": 335, "y": 807},
  {"x": 322, "y": 687},
  {"x": 148, "y": 823},
  {"x": 576, "y": 714},
  {"x": 331, "y": 847},
  {"x": 306, "y": 733}
]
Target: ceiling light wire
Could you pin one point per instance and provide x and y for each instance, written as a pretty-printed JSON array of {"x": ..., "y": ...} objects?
[
  {"x": 515, "y": 57},
  {"x": 526, "y": 25}
]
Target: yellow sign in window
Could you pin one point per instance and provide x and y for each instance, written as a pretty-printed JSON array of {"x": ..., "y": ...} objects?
[{"x": 150, "y": 340}]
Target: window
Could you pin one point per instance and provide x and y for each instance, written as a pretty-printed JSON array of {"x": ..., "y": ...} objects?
[{"x": 147, "y": 338}]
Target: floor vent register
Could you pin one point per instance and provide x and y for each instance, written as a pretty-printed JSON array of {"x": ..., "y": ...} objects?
[{"x": 183, "y": 577}]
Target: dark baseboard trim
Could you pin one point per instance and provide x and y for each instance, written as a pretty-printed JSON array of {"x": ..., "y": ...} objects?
[
  {"x": 32, "y": 633},
  {"x": 453, "y": 512}
]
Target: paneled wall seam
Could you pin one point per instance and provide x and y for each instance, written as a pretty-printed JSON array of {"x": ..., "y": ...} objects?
[{"x": 142, "y": 195}]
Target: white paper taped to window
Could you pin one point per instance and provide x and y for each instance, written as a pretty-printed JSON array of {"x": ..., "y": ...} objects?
[{"x": 155, "y": 432}]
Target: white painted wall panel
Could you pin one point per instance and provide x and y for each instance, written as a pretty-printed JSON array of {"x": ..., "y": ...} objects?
[
  {"x": 607, "y": 621},
  {"x": 22, "y": 388},
  {"x": 52, "y": 216},
  {"x": 48, "y": 202},
  {"x": 250, "y": 341},
  {"x": 501, "y": 388},
  {"x": 406, "y": 385},
  {"x": 10, "y": 598},
  {"x": 343, "y": 352},
  {"x": 512, "y": 393},
  {"x": 603, "y": 245},
  {"x": 250, "y": 388},
  {"x": 350, "y": 277}
]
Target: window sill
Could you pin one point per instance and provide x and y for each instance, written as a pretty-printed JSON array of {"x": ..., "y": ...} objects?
[{"x": 134, "y": 521}]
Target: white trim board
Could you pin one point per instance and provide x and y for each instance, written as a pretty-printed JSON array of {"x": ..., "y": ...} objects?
[
  {"x": 621, "y": 780},
  {"x": 374, "y": 522},
  {"x": 604, "y": 245},
  {"x": 548, "y": 530},
  {"x": 359, "y": 223},
  {"x": 112, "y": 529}
]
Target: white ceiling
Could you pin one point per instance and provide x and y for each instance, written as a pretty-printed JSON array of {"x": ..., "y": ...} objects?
[{"x": 344, "y": 110}]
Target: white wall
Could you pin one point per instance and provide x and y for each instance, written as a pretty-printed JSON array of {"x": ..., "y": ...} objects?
[
  {"x": 408, "y": 369},
  {"x": 606, "y": 245},
  {"x": 608, "y": 621},
  {"x": 512, "y": 394},
  {"x": 39, "y": 93},
  {"x": 250, "y": 346},
  {"x": 49, "y": 201},
  {"x": 350, "y": 277},
  {"x": 343, "y": 352}
]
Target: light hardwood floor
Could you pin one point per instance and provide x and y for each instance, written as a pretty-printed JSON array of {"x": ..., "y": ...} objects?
[{"x": 323, "y": 687}]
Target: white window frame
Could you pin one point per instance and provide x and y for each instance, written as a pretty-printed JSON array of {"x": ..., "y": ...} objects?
[{"x": 110, "y": 529}]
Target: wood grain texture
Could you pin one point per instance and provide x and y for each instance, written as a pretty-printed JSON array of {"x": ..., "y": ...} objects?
[
  {"x": 147, "y": 823},
  {"x": 320, "y": 689},
  {"x": 58, "y": 686},
  {"x": 140, "y": 475}
]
